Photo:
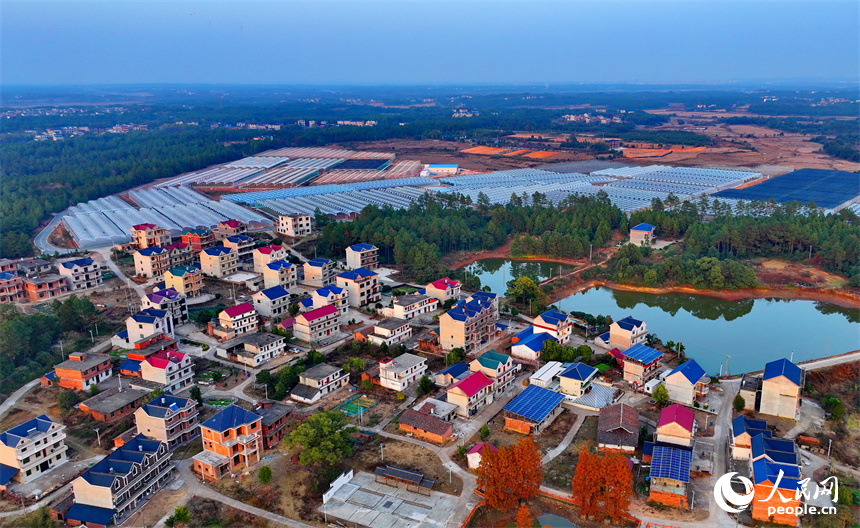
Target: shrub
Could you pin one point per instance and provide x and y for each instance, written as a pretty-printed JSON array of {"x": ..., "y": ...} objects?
[
  {"x": 739, "y": 403},
  {"x": 265, "y": 475},
  {"x": 485, "y": 432}
]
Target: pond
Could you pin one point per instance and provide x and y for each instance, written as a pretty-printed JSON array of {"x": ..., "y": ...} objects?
[
  {"x": 495, "y": 272},
  {"x": 751, "y": 331}
]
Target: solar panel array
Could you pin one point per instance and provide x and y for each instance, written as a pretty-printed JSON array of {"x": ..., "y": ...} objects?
[
  {"x": 345, "y": 201},
  {"x": 534, "y": 403},
  {"x": 670, "y": 463},
  {"x": 108, "y": 220},
  {"x": 827, "y": 188}
]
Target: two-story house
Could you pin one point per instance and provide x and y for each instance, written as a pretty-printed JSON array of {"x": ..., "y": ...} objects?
[
  {"x": 319, "y": 272},
  {"x": 687, "y": 383},
  {"x": 219, "y": 261},
  {"x": 252, "y": 349},
  {"x": 81, "y": 274},
  {"x": 362, "y": 256},
  {"x": 232, "y": 227},
  {"x": 235, "y": 321},
  {"x": 316, "y": 324},
  {"x": 409, "y": 306},
  {"x": 31, "y": 449},
  {"x": 362, "y": 285},
  {"x": 399, "y": 373},
  {"x": 169, "y": 419},
  {"x": 576, "y": 379},
  {"x": 243, "y": 245},
  {"x": 45, "y": 287},
  {"x": 279, "y": 273},
  {"x": 390, "y": 331},
  {"x": 272, "y": 302},
  {"x": 319, "y": 381},
  {"x": 82, "y": 370},
  {"x": 471, "y": 393},
  {"x": 627, "y": 332},
  {"x": 143, "y": 325},
  {"x": 781, "y": 387},
  {"x": 557, "y": 324},
  {"x": 275, "y": 418},
  {"x": 187, "y": 280},
  {"x": 170, "y": 301},
  {"x": 443, "y": 289},
  {"x": 232, "y": 439},
  {"x": 267, "y": 254},
  {"x": 149, "y": 235},
  {"x": 498, "y": 367},
  {"x": 677, "y": 425}
]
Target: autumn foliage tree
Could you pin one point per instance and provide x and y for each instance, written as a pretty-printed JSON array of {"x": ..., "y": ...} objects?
[
  {"x": 524, "y": 517},
  {"x": 511, "y": 474},
  {"x": 602, "y": 485}
]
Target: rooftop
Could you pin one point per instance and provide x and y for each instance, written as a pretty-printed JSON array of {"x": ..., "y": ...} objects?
[
  {"x": 111, "y": 400},
  {"x": 782, "y": 367},
  {"x": 444, "y": 283},
  {"x": 412, "y": 298},
  {"x": 402, "y": 363},
  {"x": 472, "y": 384},
  {"x": 91, "y": 361},
  {"x": 678, "y": 414},
  {"x": 534, "y": 403},
  {"x": 670, "y": 463},
  {"x": 392, "y": 323},
  {"x": 579, "y": 372},
  {"x": 231, "y": 417},
  {"x": 642, "y": 354},
  {"x": 239, "y": 309},
  {"x": 318, "y": 262},
  {"x": 320, "y": 372},
  {"x": 553, "y": 316},
  {"x": 275, "y": 292},
  {"x": 29, "y": 429},
  {"x": 358, "y": 273},
  {"x": 618, "y": 425},
  {"x": 313, "y": 315},
  {"x": 274, "y": 412},
  {"x": 690, "y": 370},
  {"x": 362, "y": 247},
  {"x": 217, "y": 251},
  {"x": 426, "y": 422}
]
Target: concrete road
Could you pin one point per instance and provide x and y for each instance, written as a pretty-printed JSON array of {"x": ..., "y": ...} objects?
[{"x": 41, "y": 240}]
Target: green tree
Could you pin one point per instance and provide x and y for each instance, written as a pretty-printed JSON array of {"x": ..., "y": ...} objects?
[
  {"x": 485, "y": 432},
  {"x": 294, "y": 309},
  {"x": 41, "y": 518},
  {"x": 425, "y": 385},
  {"x": 196, "y": 395},
  {"x": 265, "y": 475},
  {"x": 739, "y": 403},
  {"x": 525, "y": 290},
  {"x": 93, "y": 390},
  {"x": 67, "y": 400},
  {"x": 366, "y": 384},
  {"x": 263, "y": 377},
  {"x": 182, "y": 515},
  {"x": 322, "y": 439},
  {"x": 456, "y": 354},
  {"x": 660, "y": 395}
]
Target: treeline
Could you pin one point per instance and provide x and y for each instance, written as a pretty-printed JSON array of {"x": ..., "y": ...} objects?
[
  {"x": 415, "y": 238},
  {"x": 842, "y": 147}
]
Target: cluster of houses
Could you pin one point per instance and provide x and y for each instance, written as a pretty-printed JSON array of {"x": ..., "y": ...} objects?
[{"x": 37, "y": 280}]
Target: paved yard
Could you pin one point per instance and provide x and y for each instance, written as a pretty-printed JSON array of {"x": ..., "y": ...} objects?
[{"x": 365, "y": 502}]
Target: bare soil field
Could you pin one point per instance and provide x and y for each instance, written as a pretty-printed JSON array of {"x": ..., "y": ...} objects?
[
  {"x": 409, "y": 456},
  {"x": 209, "y": 512},
  {"x": 559, "y": 472}
]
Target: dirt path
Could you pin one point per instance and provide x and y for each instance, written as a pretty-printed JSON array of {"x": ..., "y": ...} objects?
[{"x": 458, "y": 259}]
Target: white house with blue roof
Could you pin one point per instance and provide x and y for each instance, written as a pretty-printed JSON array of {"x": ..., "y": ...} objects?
[
  {"x": 331, "y": 295},
  {"x": 121, "y": 482},
  {"x": 31, "y": 449},
  {"x": 642, "y": 234},
  {"x": 743, "y": 431},
  {"x": 529, "y": 343},
  {"x": 557, "y": 324},
  {"x": 781, "y": 387},
  {"x": 576, "y": 379},
  {"x": 362, "y": 256},
  {"x": 219, "y": 261},
  {"x": 272, "y": 302},
  {"x": 143, "y": 325},
  {"x": 470, "y": 323},
  {"x": 687, "y": 383},
  {"x": 81, "y": 274},
  {"x": 169, "y": 419},
  {"x": 280, "y": 273},
  {"x": 362, "y": 285}
]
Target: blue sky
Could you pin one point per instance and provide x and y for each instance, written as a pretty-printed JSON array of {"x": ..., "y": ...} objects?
[{"x": 408, "y": 42}]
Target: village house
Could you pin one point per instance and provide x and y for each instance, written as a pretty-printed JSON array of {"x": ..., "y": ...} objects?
[
  {"x": 557, "y": 324},
  {"x": 34, "y": 267},
  {"x": 443, "y": 289},
  {"x": 743, "y": 431},
  {"x": 179, "y": 254},
  {"x": 243, "y": 245},
  {"x": 187, "y": 280},
  {"x": 315, "y": 325},
  {"x": 252, "y": 349},
  {"x": 781, "y": 387},
  {"x": 390, "y": 331},
  {"x": 640, "y": 363},
  {"x": 117, "y": 485},
  {"x": 81, "y": 274},
  {"x": 319, "y": 381},
  {"x": 169, "y": 419},
  {"x": 219, "y": 261},
  {"x": 771, "y": 457},
  {"x": 115, "y": 403},
  {"x": 232, "y": 439},
  {"x": 626, "y": 333},
  {"x": 547, "y": 375},
  {"x": 229, "y": 228},
  {"x": 148, "y": 235},
  {"x": 498, "y": 367},
  {"x": 452, "y": 374},
  {"x": 469, "y": 323},
  {"x": 618, "y": 429},
  {"x": 533, "y": 410},
  {"x": 642, "y": 234},
  {"x": 440, "y": 409},
  {"x": 274, "y": 418},
  {"x": 11, "y": 287},
  {"x": 528, "y": 344},
  {"x": 31, "y": 449},
  {"x": 677, "y": 425},
  {"x": 687, "y": 383},
  {"x": 295, "y": 225},
  {"x": 331, "y": 295},
  {"x": 151, "y": 262},
  {"x": 576, "y": 379},
  {"x": 670, "y": 476},
  {"x": 362, "y": 285},
  {"x": 319, "y": 272},
  {"x": 362, "y": 256},
  {"x": 143, "y": 325},
  {"x": 473, "y": 456},
  {"x": 44, "y": 287},
  {"x": 198, "y": 239},
  {"x": 399, "y": 373},
  {"x": 168, "y": 300},
  {"x": 279, "y": 273},
  {"x": 234, "y": 321},
  {"x": 272, "y": 302},
  {"x": 267, "y": 254},
  {"x": 82, "y": 370},
  {"x": 471, "y": 393},
  {"x": 409, "y": 306},
  {"x": 425, "y": 426}
]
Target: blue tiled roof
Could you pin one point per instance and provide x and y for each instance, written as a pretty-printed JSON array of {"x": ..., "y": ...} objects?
[
  {"x": 239, "y": 238},
  {"x": 535, "y": 342},
  {"x": 217, "y": 251},
  {"x": 670, "y": 463},
  {"x": 307, "y": 303},
  {"x": 12, "y": 436},
  {"x": 159, "y": 409},
  {"x": 328, "y": 290},
  {"x": 741, "y": 424},
  {"x": 154, "y": 312},
  {"x": 643, "y": 227},
  {"x": 151, "y": 250},
  {"x": 484, "y": 296},
  {"x": 647, "y": 448},
  {"x": 765, "y": 471},
  {"x": 690, "y": 370},
  {"x": 422, "y": 291},
  {"x": 535, "y": 403},
  {"x": 501, "y": 326},
  {"x": 628, "y": 323},
  {"x": 275, "y": 292},
  {"x": 84, "y": 513},
  {"x": 122, "y": 334},
  {"x": 782, "y": 367},
  {"x": 357, "y": 273},
  {"x": 78, "y": 262},
  {"x": 51, "y": 375},
  {"x": 130, "y": 365},
  {"x": 279, "y": 264},
  {"x": 604, "y": 337},
  {"x": 318, "y": 262},
  {"x": 642, "y": 353},
  {"x": 775, "y": 449},
  {"x": 231, "y": 417},
  {"x": 455, "y": 370},
  {"x": 361, "y": 247},
  {"x": 120, "y": 462},
  {"x": 578, "y": 371},
  {"x": 553, "y": 316},
  {"x": 6, "y": 473}
]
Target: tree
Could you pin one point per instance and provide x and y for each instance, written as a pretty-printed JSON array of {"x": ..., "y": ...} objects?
[
  {"x": 583, "y": 489},
  {"x": 196, "y": 395},
  {"x": 217, "y": 376},
  {"x": 265, "y": 475},
  {"x": 511, "y": 474},
  {"x": 525, "y": 290},
  {"x": 67, "y": 400},
  {"x": 529, "y": 474},
  {"x": 425, "y": 385},
  {"x": 739, "y": 403},
  {"x": 293, "y": 309},
  {"x": 323, "y": 439},
  {"x": 263, "y": 377},
  {"x": 485, "y": 432},
  {"x": 660, "y": 395},
  {"x": 616, "y": 487},
  {"x": 456, "y": 354},
  {"x": 182, "y": 515},
  {"x": 366, "y": 384},
  {"x": 40, "y": 518},
  {"x": 93, "y": 390},
  {"x": 524, "y": 517}
]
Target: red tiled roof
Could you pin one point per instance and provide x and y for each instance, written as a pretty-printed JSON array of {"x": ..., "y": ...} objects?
[
  {"x": 425, "y": 422},
  {"x": 472, "y": 384},
  {"x": 319, "y": 312},
  {"x": 235, "y": 224},
  {"x": 286, "y": 324},
  {"x": 617, "y": 354},
  {"x": 444, "y": 283},
  {"x": 161, "y": 359},
  {"x": 143, "y": 227},
  {"x": 677, "y": 414},
  {"x": 267, "y": 250},
  {"x": 178, "y": 245},
  {"x": 239, "y": 309},
  {"x": 479, "y": 448}
]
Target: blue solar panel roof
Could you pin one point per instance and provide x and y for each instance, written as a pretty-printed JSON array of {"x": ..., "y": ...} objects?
[
  {"x": 642, "y": 353},
  {"x": 535, "y": 403},
  {"x": 827, "y": 188},
  {"x": 670, "y": 463}
]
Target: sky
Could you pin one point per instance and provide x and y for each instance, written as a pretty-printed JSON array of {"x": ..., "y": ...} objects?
[{"x": 411, "y": 42}]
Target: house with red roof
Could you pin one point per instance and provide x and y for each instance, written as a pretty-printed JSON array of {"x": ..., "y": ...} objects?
[
  {"x": 234, "y": 321},
  {"x": 158, "y": 360},
  {"x": 228, "y": 228},
  {"x": 471, "y": 393},
  {"x": 474, "y": 455},
  {"x": 443, "y": 289},
  {"x": 267, "y": 254},
  {"x": 179, "y": 254},
  {"x": 149, "y": 235},
  {"x": 677, "y": 426},
  {"x": 318, "y": 324}
]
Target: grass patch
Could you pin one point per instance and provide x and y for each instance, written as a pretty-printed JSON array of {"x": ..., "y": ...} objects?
[{"x": 558, "y": 473}]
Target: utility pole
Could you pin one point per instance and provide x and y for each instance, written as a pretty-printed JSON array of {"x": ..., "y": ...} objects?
[
  {"x": 590, "y": 247},
  {"x": 93, "y": 339},
  {"x": 99, "y": 436},
  {"x": 381, "y": 452},
  {"x": 727, "y": 364}
]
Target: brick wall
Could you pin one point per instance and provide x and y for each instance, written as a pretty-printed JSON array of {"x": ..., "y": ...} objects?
[
  {"x": 669, "y": 499},
  {"x": 759, "y": 507},
  {"x": 517, "y": 425}
]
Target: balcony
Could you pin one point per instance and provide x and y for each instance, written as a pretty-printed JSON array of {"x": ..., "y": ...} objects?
[{"x": 141, "y": 485}]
